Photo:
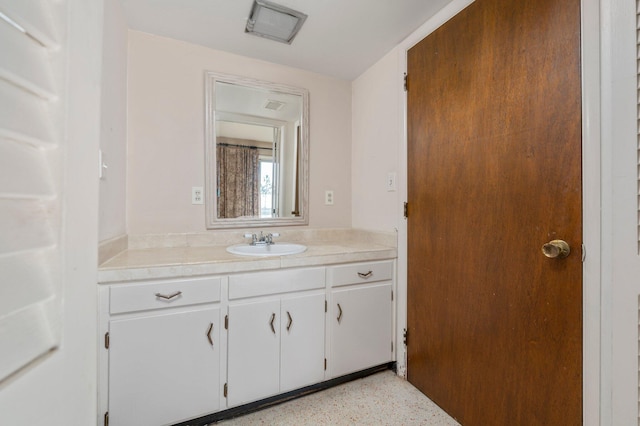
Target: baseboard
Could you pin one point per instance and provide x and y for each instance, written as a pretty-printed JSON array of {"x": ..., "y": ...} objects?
[{"x": 279, "y": 399}]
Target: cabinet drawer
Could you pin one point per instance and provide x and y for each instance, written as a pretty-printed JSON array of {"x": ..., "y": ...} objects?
[
  {"x": 156, "y": 295},
  {"x": 358, "y": 273},
  {"x": 274, "y": 282}
]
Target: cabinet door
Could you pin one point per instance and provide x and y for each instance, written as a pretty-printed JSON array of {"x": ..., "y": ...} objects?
[
  {"x": 163, "y": 368},
  {"x": 302, "y": 341},
  {"x": 253, "y": 365},
  {"x": 361, "y": 338}
]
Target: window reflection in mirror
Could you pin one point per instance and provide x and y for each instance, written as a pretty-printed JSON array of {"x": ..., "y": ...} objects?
[{"x": 257, "y": 153}]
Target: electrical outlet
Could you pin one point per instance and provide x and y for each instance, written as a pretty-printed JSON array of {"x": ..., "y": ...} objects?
[
  {"x": 328, "y": 198},
  {"x": 197, "y": 195}
]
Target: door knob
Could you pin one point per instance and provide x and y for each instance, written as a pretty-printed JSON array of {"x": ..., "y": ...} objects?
[{"x": 556, "y": 249}]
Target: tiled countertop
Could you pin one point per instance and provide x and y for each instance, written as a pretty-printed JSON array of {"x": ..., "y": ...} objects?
[{"x": 182, "y": 260}]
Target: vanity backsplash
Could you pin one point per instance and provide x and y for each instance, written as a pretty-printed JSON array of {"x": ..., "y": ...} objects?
[
  {"x": 136, "y": 257},
  {"x": 110, "y": 248}
]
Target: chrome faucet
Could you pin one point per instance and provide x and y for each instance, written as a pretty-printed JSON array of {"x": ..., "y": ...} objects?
[{"x": 262, "y": 239}]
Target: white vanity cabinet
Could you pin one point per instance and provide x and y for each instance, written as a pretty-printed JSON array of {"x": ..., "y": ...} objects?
[
  {"x": 275, "y": 333},
  {"x": 302, "y": 343},
  {"x": 360, "y": 316},
  {"x": 180, "y": 349},
  {"x": 163, "y": 346}
]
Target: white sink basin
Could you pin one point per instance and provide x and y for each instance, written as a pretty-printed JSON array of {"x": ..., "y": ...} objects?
[{"x": 275, "y": 249}]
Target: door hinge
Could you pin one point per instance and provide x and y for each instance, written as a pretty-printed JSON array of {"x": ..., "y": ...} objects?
[
  {"x": 226, "y": 322},
  {"x": 106, "y": 340},
  {"x": 325, "y": 364},
  {"x": 106, "y": 418},
  {"x": 225, "y": 390},
  {"x": 406, "y": 210},
  {"x": 405, "y": 335},
  {"x": 406, "y": 82}
]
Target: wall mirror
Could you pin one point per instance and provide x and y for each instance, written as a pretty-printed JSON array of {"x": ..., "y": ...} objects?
[{"x": 257, "y": 153}]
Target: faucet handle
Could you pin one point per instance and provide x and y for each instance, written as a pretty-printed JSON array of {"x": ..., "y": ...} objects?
[
  {"x": 269, "y": 237},
  {"x": 253, "y": 237}
]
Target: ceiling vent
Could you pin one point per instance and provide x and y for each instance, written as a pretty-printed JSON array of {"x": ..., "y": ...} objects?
[
  {"x": 273, "y": 21},
  {"x": 273, "y": 105}
]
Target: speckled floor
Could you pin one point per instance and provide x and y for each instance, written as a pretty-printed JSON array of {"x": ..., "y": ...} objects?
[{"x": 380, "y": 399}]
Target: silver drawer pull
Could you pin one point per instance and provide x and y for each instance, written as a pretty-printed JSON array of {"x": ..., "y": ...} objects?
[
  {"x": 168, "y": 297},
  {"x": 366, "y": 275},
  {"x": 209, "y": 334}
]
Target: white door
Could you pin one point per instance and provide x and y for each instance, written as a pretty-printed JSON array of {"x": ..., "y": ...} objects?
[
  {"x": 302, "y": 341},
  {"x": 254, "y": 351},
  {"x": 360, "y": 328},
  {"x": 164, "y": 368}
]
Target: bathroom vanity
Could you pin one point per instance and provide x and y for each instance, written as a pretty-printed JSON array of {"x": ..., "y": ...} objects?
[{"x": 185, "y": 337}]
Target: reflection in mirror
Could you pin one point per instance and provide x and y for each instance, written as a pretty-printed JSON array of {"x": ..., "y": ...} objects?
[{"x": 257, "y": 153}]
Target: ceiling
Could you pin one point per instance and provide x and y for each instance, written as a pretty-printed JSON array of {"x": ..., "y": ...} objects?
[
  {"x": 251, "y": 101},
  {"x": 340, "y": 38}
]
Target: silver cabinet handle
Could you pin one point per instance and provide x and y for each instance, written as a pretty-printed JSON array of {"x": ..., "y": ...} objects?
[
  {"x": 209, "y": 334},
  {"x": 365, "y": 275},
  {"x": 273, "y": 318},
  {"x": 170, "y": 296},
  {"x": 339, "y": 313},
  {"x": 290, "y": 321}
]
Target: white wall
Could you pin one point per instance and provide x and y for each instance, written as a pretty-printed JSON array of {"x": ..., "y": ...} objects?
[
  {"x": 113, "y": 126},
  {"x": 166, "y": 133},
  {"x": 375, "y": 144},
  {"x": 60, "y": 390}
]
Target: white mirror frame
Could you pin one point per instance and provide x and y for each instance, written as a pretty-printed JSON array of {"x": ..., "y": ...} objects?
[{"x": 211, "y": 201}]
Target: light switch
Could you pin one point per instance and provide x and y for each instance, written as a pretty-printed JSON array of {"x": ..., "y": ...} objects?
[
  {"x": 391, "y": 181},
  {"x": 102, "y": 166}
]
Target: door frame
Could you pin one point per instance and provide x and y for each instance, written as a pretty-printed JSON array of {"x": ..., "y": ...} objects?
[{"x": 594, "y": 373}]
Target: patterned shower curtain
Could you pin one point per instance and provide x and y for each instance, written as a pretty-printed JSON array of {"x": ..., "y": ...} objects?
[{"x": 238, "y": 181}]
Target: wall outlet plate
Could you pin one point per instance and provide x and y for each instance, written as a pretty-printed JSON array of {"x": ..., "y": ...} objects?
[
  {"x": 197, "y": 195},
  {"x": 328, "y": 198}
]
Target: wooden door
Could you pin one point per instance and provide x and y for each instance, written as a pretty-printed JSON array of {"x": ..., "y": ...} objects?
[{"x": 494, "y": 161}]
